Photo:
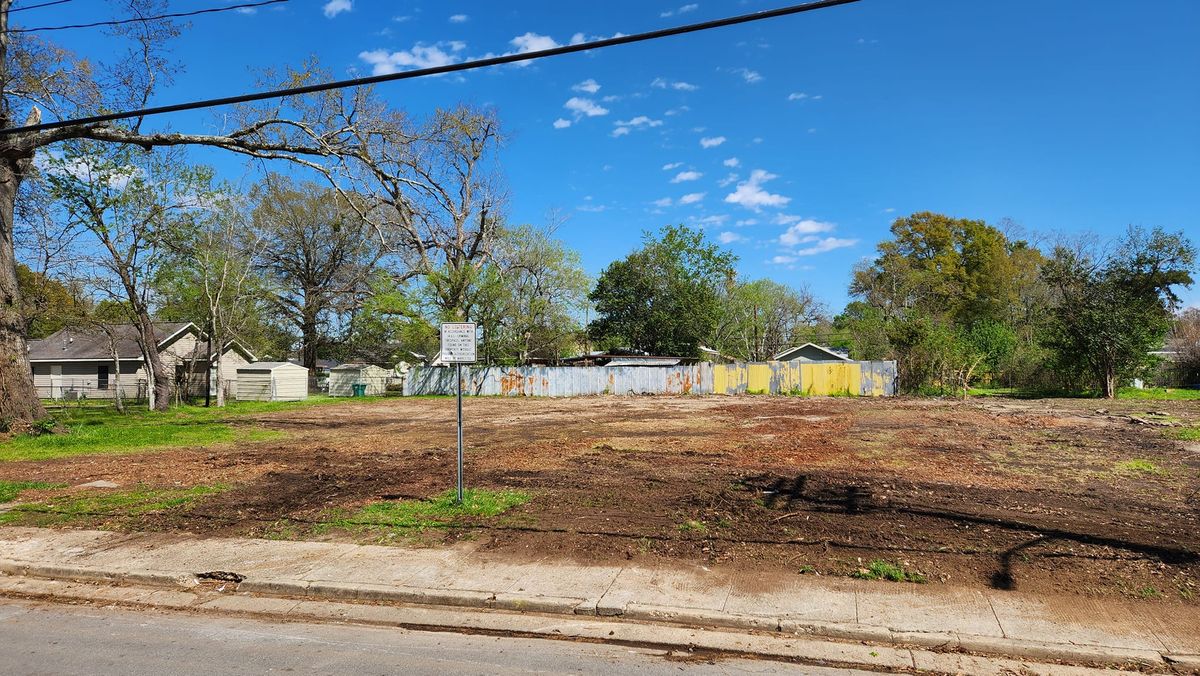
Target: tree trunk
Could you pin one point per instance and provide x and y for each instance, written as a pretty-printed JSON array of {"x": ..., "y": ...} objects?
[
  {"x": 218, "y": 371},
  {"x": 18, "y": 397},
  {"x": 308, "y": 338},
  {"x": 116, "y": 379},
  {"x": 1110, "y": 385},
  {"x": 160, "y": 380}
]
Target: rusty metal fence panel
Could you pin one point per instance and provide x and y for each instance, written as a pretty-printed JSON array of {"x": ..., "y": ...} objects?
[{"x": 788, "y": 378}]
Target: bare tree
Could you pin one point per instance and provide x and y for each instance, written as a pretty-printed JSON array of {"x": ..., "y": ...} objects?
[
  {"x": 216, "y": 256},
  {"x": 317, "y": 253},
  {"x": 37, "y": 78},
  {"x": 129, "y": 202}
]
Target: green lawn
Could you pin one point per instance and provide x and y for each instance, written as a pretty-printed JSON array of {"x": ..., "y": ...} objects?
[
  {"x": 1149, "y": 393},
  {"x": 93, "y": 429},
  {"x": 9, "y": 490},
  {"x": 102, "y": 506},
  {"x": 1159, "y": 394},
  {"x": 437, "y": 511}
]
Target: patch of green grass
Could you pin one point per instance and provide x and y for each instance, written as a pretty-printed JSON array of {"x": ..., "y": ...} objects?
[
  {"x": 1149, "y": 593},
  {"x": 9, "y": 490},
  {"x": 104, "y": 505},
  {"x": 1186, "y": 434},
  {"x": 1139, "y": 465},
  {"x": 879, "y": 569},
  {"x": 433, "y": 512},
  {"x": 693, "y": 526},
  {"x": 1159, "y": 394}
]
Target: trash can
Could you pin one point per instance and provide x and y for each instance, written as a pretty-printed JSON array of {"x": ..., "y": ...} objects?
[{"x": 360, "y": 389}]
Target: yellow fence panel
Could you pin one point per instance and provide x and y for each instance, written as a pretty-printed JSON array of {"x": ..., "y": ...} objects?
[{"x": 759, "y": 379}]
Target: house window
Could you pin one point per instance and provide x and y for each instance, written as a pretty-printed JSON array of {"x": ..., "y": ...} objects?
[{"x": 102, "y": 377}]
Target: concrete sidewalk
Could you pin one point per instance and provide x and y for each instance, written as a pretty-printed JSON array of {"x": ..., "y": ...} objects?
[{"x": 1075, "y": 629}]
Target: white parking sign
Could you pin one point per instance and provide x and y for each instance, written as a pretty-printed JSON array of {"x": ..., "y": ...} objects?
[{"x": 458, "y": 343}]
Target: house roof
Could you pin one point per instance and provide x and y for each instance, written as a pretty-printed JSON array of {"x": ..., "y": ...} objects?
[
  {"x": 356, "y": 366},
  {"x": 75, "y": 344},
  {"x": 260, "y": 366},
  {"x": 825, "y": 352}
]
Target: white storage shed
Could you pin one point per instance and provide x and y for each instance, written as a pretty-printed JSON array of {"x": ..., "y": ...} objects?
[
  {"x": 272, "y": 381},
  {"x": 374, "y": 380}
]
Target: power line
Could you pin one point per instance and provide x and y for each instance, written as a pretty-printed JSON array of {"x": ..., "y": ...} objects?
[
  {"x": 118, "y": 22},
  {"x": 436, "y": 70},
  {"x": 44, "y": 4}
]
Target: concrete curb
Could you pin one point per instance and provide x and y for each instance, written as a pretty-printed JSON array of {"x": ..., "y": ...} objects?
[
  {"x": 801, "y": 649},
  {"x": 577, "y": 608}
]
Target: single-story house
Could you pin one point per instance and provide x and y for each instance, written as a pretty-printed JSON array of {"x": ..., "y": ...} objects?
[
  {"x": 272, "y": 381},
  {"x": 74, "y": 363},
  {"x": 342, "y": 379},
  {"x": 811, "y": 352}
]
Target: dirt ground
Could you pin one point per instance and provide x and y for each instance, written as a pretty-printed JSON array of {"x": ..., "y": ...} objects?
[{"x": 1028, "y": 495}]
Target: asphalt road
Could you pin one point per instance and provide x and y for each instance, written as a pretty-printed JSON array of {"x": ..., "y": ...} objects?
[{"x": 40, "y": 638}]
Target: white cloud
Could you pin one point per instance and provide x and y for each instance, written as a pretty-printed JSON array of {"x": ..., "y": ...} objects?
[
  {"x": 746, "y": 221},
  {"x": 561, "y": 123},
  {"x": 691, "y": 7},
  {"x": 664, "y": 202},
  {"x": 750, "y": 76},
  {"x": 588, "y": 86},
  {"x": 672, "y": 165},
  {"x": 802, "y": 231},
  {"x": 711, "y": 142},
  {"x": 692, "y": 197},
  {"x": 729, "y": 237},
  {"x": 459, "y": 18},
  {"x": 732, "y": 163},
  {"x": 750, "y": 194},
  {"x": 676, "y": 111},
  {"x": 640, "y": 121},
  {"x": 783, "y": 260},
  {"x": 591, "y": 208},
  {"x": 826, "y": 244},
  {"x": 729, "y": 180},
  {"x": 584, "y": 107},
  {"x": 686, "y": 176},
  {"x": 420, "y": 56},
  {"x": 610, "y": 98},
  {"x": 532, "y": 42},
  {"x": 661, "y": 83},
  {"x": 335, "y": 7},
  {"x": 713, "y": 220},
  {"x": 797, "y": 96}
]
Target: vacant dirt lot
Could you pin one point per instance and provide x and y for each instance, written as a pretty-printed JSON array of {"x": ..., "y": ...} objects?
[{"x": 1055, "y": 495}]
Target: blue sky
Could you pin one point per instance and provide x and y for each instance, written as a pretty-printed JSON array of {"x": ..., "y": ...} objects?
[{"x": 796, "y": 141}]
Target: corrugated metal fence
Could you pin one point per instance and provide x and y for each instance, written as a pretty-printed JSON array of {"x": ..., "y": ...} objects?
[{"x": 863, "y": 378}]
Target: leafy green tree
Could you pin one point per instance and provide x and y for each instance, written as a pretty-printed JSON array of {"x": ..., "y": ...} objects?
[
  {"x": 1113, "y": 308},
  {"x": 47, "y": 304},
  {"x": 664, "y": 298},
  {"x": 762, "y": 317}
]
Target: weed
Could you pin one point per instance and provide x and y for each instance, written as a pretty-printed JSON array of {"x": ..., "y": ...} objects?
[
  {"x": 104, "y": 505},
  {"x": 431, "y": 513},
  {"x": 9, "y": 490},
  {"x": 1186, "y": 434},
  {"x": 1139, "y": 465},
  {"x": 879, "y": 569},
  {"x": 693, "y": 526},
  {"x": 1149, "y": 593},
  {"x": 1158, "y": 394},
  {"x": 806, "y": 570}
]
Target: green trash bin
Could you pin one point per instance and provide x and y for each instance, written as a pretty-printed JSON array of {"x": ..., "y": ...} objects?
[{"x": 360, "y": 389}]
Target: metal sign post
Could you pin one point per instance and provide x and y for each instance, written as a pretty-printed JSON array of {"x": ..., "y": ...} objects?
[{"x": 458, "y": 348}]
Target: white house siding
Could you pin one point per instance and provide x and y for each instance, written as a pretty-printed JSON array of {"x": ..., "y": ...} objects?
[{"x": 82, "y": 379}]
